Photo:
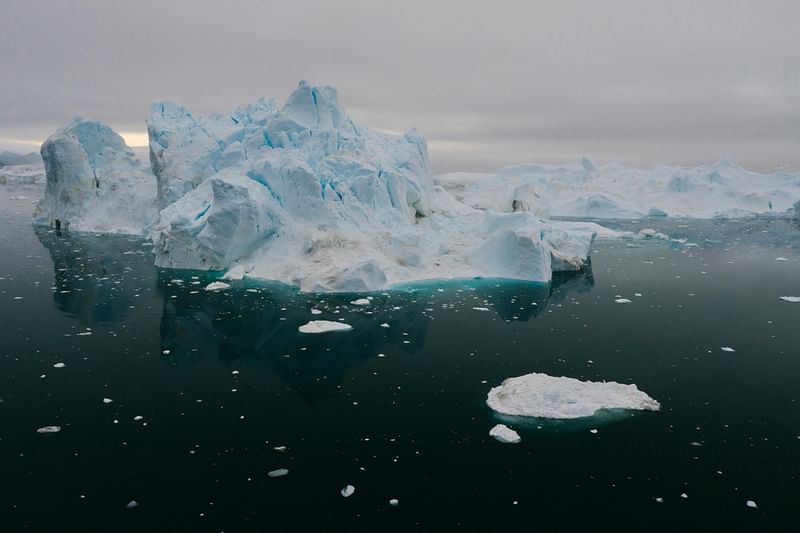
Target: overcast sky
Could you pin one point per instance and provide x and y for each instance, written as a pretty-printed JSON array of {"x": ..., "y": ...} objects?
[{"x": 489, "y": 83}]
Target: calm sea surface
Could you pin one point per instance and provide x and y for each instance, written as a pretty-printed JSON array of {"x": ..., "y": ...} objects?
[{"x": 212, "y": 391}]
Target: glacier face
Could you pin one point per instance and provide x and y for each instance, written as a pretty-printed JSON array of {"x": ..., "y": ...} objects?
[{"x": 300, "y": 194}]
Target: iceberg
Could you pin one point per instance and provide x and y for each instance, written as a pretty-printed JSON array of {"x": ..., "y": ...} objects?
[
  {"x": 94, "y": 182},
  {"x": 588, "y": 190},
  {"x": 506, "y": 435},
  {"x": 299, "y": 194},
  {"x": 543, "y": 396}
]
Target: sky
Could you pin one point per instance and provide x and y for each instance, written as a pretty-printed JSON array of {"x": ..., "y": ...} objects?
[{"x": 489, "y": 83}]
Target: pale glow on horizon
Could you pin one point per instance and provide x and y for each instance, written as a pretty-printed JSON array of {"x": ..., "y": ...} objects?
[{"x": 135, "y": 139}]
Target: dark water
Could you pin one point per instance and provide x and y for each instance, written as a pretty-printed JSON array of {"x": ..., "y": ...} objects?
[{"x": 239, "y": 381}]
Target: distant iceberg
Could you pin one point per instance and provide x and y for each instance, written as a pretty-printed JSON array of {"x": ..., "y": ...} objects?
[
  {"x": 588, "y": 190},
  {"x": 543, "y": 396}
]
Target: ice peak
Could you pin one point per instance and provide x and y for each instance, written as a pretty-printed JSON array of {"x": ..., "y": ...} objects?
[{"x": 315, "y": 107}]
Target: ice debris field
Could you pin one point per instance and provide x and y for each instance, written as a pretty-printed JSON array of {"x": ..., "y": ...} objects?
[{"x": 304, "y": 195}]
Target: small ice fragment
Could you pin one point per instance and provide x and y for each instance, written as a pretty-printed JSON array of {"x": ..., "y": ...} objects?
[
  {"x": 235, "y": 372},
  {"x": 781, "y": 259},
  {"x": 751, "y": 504},
  {"x": 622, "y": 301},
  {"x": 384, "y": 325},
  {"x": 217, "y": 286},
  {"x": 394, "y": 502},
  {"x": 791, "y": 299},
  {"x": 316, "y": 312},
  {"x": 324, "y": 326},
  {"x": 132, "y": 504},
  {"x": 480, "y": 308},
  {"x": 107, "y": 400},
  {"x": 280, "y": 472},
  {"x": 684, "y": 495},
  {"x": 59, "y": 365},
  {"x": 360, "y": 301},
  {"x": 659, "y": 500},
  {"x": 138, "y": 417},
  {"x": 165, "y": 352},
  {"x": 505, "y": 434},
  {"x": 348, "y": 491},
  {"x": 594, "y": 431},
  {"x": 48, "y": 429},
  {"x": 727, "y": 349},
  {"x": 381, "y": 355},
  {"x": 236, "y": 272}
]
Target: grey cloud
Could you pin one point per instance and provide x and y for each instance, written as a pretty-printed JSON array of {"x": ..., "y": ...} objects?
[{"x": 488, "y": 83}]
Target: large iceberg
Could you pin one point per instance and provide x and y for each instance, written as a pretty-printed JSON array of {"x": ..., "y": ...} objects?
[
  {"x": 300, "y": 194},
  {"x": 586, "y": 190},
  {"x": 543, "y": 396}
]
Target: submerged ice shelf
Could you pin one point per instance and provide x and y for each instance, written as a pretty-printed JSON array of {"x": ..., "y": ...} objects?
[{"x": 304, "y": 195}]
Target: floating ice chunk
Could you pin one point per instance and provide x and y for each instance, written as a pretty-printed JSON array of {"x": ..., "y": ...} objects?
[
  {"x": 593, "y": 431},
  {"x": 505, "y": 434},
  {"x": 59, "y": 365},
  {"x": 132, "y": 504},
  {"x": 316, "y": 312},
  {"x": 480, "y": 308},
  {"x": 622, "y": 301},
  {"x": 540, "y": 395},
  {"x": 659, "y": 500},
  {"x": 279, "y": 472},
  {"x": 751, "y": 504},
  {"x": 394, "y": 502},
  {"x": 324, "y": 326},
  {"x": 107, "y": 400},
  {"x": 360, "y": 301},
  {"x": 727, "y": 349},
  {"x": 684, "y": 495},
  {"x": 781, "y": 259},
  {"x": 217, "y": 286},
  {"x": 235, "y": 273},
  {"x": 138, "y": 417},
  {"x": 384, "y": 325},
  {"x": 348, "y": 491},
  {"x": 49, "y": 429},
  {"x": 792, "y": 299}
]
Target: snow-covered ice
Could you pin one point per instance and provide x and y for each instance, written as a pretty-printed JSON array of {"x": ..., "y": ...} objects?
[
  {"x": 540, "y": 395},
  {"x": 278, "y": 472},
  {"x": 49, "y": 429},
  {"x": 348, "y": 491},
  {"x": 727, "y": 349},
  {"x": 323, "y": 326},
  {"x": 505, "y": 434},
  {"x": 792, "y": 299}
]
